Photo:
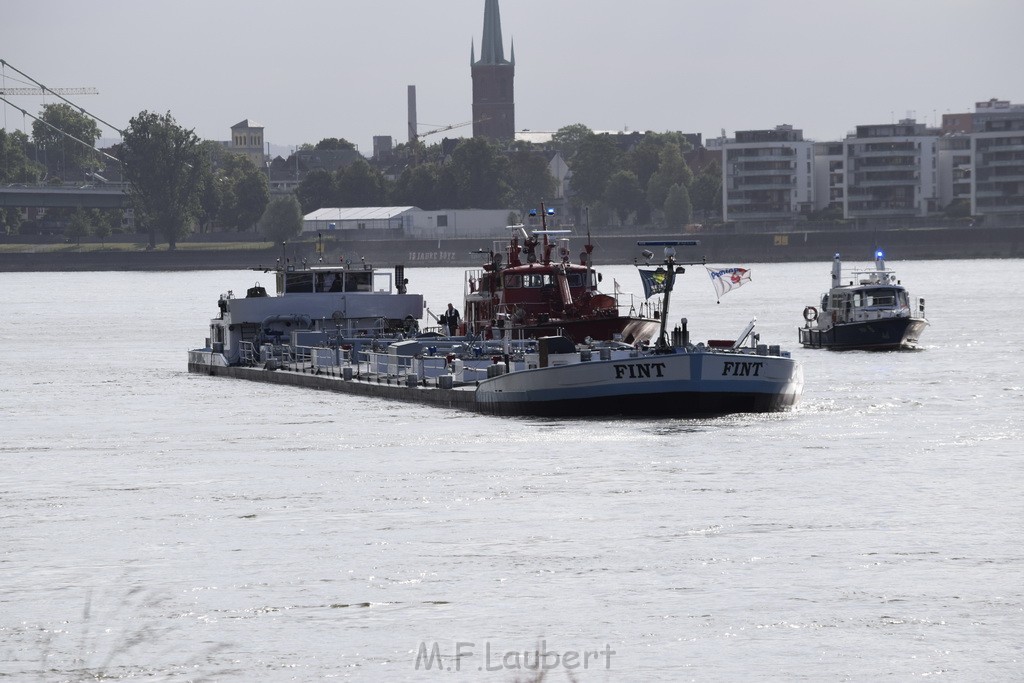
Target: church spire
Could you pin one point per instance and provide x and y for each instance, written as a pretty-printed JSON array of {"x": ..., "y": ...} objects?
[
  {"x": 494, "y": 105},
  {"x": 491, "y": 50}
]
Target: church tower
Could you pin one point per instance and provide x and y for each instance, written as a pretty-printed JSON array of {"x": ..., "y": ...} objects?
[{"x": 494, "y": 107}]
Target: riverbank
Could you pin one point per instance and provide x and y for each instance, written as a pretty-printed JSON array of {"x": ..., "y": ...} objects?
[{"x": 716, "y": 247}]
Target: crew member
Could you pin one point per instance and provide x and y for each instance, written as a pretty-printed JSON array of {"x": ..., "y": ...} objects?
[{"x": 450, "y": 320}]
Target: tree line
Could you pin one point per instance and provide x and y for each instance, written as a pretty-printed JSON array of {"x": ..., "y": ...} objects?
[{"x": 179, "y": 184}]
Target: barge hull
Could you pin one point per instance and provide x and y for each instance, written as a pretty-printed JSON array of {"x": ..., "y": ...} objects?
[
  {"x": 659, "y": 404},
  {"x": 876, "y": 335}
]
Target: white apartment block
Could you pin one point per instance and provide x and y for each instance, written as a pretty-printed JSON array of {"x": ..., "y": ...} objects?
[
  {"x": 767, "y": 175},
  {"x": 954, "y": 163},
  {"x": 829, "y": 175},
  {"x": 891, "y": 170},
  {"x": 997, "y": 153}
]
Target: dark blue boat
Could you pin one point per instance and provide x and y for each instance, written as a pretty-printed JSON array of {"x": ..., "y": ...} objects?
[{"x": 864, "y": 309}]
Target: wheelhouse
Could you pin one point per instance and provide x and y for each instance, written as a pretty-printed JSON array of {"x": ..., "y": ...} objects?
[{"x": 333, "y": 279}]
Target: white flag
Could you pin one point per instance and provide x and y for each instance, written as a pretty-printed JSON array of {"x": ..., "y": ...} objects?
[
  {"x": 616, "y": 287},
  {"x": 727, "y": 279}
]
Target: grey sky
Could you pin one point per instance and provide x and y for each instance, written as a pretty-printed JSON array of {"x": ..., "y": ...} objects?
[{"x": 312, "y": 69}]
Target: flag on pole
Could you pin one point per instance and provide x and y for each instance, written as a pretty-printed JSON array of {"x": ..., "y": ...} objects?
[
  {"x": 617, "y": 289},
  {"x": 656, "y": 281},
  {"x": 727, "y": 279}
]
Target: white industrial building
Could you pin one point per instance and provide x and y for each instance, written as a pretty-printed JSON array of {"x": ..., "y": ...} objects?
[{"x": 410, "y": 221}]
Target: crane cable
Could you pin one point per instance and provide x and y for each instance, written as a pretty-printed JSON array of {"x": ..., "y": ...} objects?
[
  {"x": 5, "y": 64},
  {"x": 67, "y": 135}
]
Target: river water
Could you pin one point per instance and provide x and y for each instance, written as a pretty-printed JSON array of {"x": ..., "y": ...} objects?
[{"x": 167, "y": 526}]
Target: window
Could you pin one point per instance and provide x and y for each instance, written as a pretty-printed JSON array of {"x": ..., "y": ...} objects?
[{"x": 442, "y": 221}]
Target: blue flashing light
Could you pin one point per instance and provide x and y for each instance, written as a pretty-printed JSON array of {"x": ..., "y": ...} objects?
[
  {"x": 533, "y": 212},
  {"x": 551, "y": 212},
  {"x": 879, "y": 254}
]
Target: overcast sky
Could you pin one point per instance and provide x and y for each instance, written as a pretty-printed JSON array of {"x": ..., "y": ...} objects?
[{"x": 312, "y": 69}]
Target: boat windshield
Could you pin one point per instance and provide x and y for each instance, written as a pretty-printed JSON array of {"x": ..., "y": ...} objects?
[
  {"x": 883, "y": 296},
  {"x": 536, "y": 280},
  {"x": 304, "y": 281}
]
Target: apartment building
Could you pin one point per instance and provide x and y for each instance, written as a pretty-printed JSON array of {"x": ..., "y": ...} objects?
[
  {"x": 829, "y": 176},
  {"x": 955, "y": 167},
  {"x": 891, "y": 170},
  {"x": 767, "y": 175},
  {"x": 997, "y": 153}
]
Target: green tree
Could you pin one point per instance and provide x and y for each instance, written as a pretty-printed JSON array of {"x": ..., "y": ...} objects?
[
  {"x": 211, "y": 198},
  {"x": 211, "y": 193},
  {"x": 282, "y": 220},
  {"x": 15, "y": 166},
  {"x": 481, "y": 175},
  {"x": 10, "y": 220},
  {"x": 78, "y": 226},
  {"x": 529, "y": 178},
  {"x": 446, "y": 191},
  {"x": 245, "y": 195},
  {"x": 958, "y": 208},
  {"x": 360, "y": 184},
  {"x": 678, "y": 211},
  {"x": 645, "y": 159},
  {"x": 316, "y": 191},
  {"x": 334, "y": 143},
  {"x": 595, "y": 161},
  {"x": 671, "y": 171},
  {"x": 567, "y": 139},
  {"x": 72, "y": 158},
  {"x": 706, "y": 191},
  {"x": 623, "y": 194},
  {"x": 102, "y": 230},
  {"x": 164, "y": 165},
  {"x": 417, "y": 186}
]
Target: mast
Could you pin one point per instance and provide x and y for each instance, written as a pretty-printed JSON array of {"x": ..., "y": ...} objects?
[{"x": 672, "y": 268}]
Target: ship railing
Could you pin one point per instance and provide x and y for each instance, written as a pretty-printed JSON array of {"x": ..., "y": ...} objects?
[
  {"x": 247, "y": 353},
  {"x": 472, "y": 282},
  {"x": 410, "y": 370},
  {"x": 356, "y": 328}
]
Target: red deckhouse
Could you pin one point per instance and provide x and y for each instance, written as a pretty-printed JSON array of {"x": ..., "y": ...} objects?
[{"x": 534, "y": 289}]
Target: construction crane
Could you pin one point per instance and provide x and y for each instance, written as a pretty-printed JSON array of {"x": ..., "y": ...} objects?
[
  {"x": 52, "y": 91},
  {"x": 442, "y": 129}
]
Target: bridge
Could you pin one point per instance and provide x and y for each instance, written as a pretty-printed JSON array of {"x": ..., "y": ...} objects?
[{"x": 107, "y": 196}]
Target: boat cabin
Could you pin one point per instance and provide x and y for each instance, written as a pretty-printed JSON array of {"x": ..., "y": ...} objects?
[
  {"x": 332, "y": 279},
  {"x": 864, "y": 302}
]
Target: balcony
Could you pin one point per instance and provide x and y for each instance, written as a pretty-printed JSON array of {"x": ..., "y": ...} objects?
[
  {"x": 1000, "y": 163},
  {"x": 883, "y": 211},
  {"x": 759, "y": 154},
  {"x": 984, "y": 177},
  {"x": 886, "y": 182},
  {"x": 859, "y": 153},
  {"x": 990, "y": 148},
  {"x": 764, "y": 184},
  {"x": 743, "y": 171}
]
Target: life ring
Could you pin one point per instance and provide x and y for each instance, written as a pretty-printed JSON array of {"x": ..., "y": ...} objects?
[{"x": 810, "y": 314}]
